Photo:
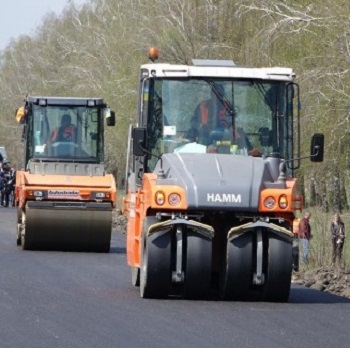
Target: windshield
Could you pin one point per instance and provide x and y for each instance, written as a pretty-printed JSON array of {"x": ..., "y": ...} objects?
[
  {"x": 234, "y": 116},
  {"x": 69, "y": 133}
]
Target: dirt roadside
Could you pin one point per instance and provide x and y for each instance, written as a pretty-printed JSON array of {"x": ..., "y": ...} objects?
[{"x": 333, "y": 279}]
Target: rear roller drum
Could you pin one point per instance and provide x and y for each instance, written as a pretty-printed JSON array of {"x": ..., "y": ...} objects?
[
  {"x": 237, "y": 272},
  {"x": 279, "y": 270},
  {"x": 198, "y": 266},
  {"x": 155, "y": 272}
]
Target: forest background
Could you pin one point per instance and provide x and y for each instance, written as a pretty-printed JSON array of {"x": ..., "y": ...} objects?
[{"x": 95, "y": 50}]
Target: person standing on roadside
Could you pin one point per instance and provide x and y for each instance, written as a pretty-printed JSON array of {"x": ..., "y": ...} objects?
[
  {"x": 304, "y": 237},
  {"x": 338, "y": 238},
  {"x": 7, "y": 180}
]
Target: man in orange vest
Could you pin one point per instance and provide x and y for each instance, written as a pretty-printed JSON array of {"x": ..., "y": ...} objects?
[
  {"x": 212, "y": 122},
  {"x": 66, "y": 132}
]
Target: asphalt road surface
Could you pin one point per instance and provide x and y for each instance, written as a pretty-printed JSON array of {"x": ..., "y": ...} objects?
[{"x": 61, "y": 299}]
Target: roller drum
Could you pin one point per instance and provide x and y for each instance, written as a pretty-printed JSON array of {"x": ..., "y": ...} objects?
[{"x": 68, "y": 226}]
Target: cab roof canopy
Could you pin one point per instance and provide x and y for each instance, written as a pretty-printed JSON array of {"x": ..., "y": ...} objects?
[
  {"x": 44, "y": 101},
  {"x": 216, "y": 69}
]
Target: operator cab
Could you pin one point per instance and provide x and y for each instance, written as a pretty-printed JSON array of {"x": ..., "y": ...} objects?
[
  {"x": 66, "y": 129},
  {"x": 260, "y": 111},
  {"x": 258, "y": 108}
]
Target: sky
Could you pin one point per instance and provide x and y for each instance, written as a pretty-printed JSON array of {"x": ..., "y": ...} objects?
[{"x": 22, "y": 17}]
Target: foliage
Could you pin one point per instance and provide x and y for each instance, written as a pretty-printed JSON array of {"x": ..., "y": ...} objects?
[{"x": 96, "y": 50}]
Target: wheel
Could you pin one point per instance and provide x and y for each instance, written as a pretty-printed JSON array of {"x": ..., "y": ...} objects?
[
  {"x": 19, "y": 239},
  {"x": 24, "y": 244},
  {"x": 237, "y": 273},
  {"x": 135, "y": 276},
  {"x": 19, "y": 226},
  {"x": 295, "y": 254},
  {"x": 198, "y": 266},
  {"x": 155, "y": 272},
  {"x": 23, "y": 240},
  {"x": 279, "y": 269}
]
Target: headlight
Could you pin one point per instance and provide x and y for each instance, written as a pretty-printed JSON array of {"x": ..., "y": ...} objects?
[
  {"x": 174, "y": 199},
  {"x": 283, "y": 202},
  {"x": 100, "y": 195},
  {"x": 269, "y": 202},
  {"x": 160, "y": 197},
  {"x": 36, "y": 194}
]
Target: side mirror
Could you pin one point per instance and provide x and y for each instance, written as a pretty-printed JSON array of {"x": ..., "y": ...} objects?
[
  {"x": 110, "y": 117},
  {"x": 317, "y": 148},
  {"x": 139, "y": 138}
]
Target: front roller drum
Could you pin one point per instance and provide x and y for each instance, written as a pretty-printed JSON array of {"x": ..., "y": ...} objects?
[
  {"x": 67, "y": 226},
  {"x": 155, "y": 270}
]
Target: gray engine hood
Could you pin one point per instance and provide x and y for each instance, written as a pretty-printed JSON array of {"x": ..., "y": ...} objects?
[{"x": 218, "y": 181}]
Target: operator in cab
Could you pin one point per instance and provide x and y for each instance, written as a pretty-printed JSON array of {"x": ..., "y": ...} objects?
[
  {"x": 66, "y": 132},
  {"x": 212, "y": 124}
]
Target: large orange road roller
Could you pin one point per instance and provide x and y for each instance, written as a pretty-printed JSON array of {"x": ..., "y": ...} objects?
[
  {"x": 211, "y": 201},
  {"x": 64, "y": 196}
]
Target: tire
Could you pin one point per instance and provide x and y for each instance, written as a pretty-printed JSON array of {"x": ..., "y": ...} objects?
[
  {"x": 19, "y": 239},
  {"x": 279, "y": 269},
  {"x": 237, "y": 271},
  {"x": 24, "y": 243},
  {"x": 198, "y": 266},
  {"x": 19, "y": 227},
  {"x": 155, "y": 271}
]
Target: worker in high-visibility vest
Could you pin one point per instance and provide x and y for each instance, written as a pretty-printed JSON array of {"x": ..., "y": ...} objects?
[{"x": 212, "y": 122}]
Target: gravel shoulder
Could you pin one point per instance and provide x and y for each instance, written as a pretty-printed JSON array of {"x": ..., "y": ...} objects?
[{"x": 333, "y": 279}]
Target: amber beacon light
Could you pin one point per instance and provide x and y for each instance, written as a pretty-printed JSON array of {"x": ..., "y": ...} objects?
[{"x": 153, "y": 54}]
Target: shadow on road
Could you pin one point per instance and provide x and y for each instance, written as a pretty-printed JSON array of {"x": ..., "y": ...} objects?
[
  {"x": 300, "y": 294},
  {"x": 117, "y": 250}
]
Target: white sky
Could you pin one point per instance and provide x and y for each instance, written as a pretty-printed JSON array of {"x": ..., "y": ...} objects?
[{"x": 22, "y": 17}]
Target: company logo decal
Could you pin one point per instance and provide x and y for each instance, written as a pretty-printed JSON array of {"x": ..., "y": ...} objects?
[
  {"x": 63, "y": 194},
  {"x": 224, "y": 198}
]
